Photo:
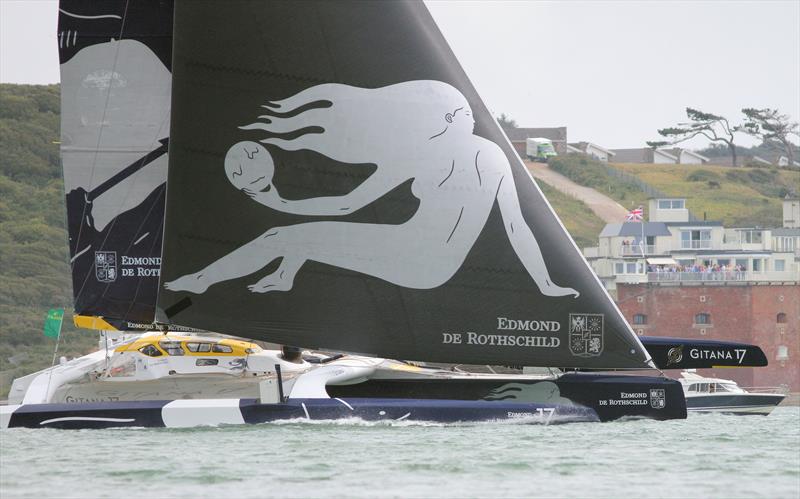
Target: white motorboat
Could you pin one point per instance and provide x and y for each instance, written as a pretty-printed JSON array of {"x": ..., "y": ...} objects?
[{"x": 724, "y": 395}]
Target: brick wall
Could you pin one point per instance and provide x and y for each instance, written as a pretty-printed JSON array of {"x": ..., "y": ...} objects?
[{"x": 738, "y": 313}]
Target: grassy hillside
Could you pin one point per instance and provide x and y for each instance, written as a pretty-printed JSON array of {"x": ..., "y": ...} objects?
[
  {"x": 591, "y": 173},
  {"x": 33, "y": 244},
  {"x": 582, "y": 224},
  {"x": 740, "y": 197}
]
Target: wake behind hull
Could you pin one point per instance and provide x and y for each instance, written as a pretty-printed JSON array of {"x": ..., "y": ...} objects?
[{"x": 215, "y": 412}]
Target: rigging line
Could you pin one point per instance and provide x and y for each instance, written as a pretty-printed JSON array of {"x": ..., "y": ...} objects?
[
  {"x": 100, "y": 135},
  {"x": 53, "y": 364},
  {"x": 130, "y": 170},
  {"x": 160, "y": 230}
]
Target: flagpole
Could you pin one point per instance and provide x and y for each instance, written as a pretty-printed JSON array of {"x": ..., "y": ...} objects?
[
  {"x": 52, "y": 364},
  {"x": 643, "y": 243},
  {"x": 58, "y": 340}
]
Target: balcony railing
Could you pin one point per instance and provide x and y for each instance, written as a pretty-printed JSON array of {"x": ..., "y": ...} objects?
[
  {"x": 636, "y": 249},
  {"x": 696, "y": 244},
  {"x": 722, "y": 277}
]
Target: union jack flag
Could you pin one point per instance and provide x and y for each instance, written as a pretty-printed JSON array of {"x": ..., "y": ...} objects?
[{"x": 636, "y": 215}]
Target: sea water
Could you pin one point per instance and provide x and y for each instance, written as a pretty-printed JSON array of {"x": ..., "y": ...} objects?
[{"x": 707, "y": 455}]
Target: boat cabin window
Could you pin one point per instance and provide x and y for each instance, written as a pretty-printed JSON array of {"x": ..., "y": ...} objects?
[
  {"x": 198, "y": 347},
  {"x": 217, "y": 348},
  {"x": 693, "y": 387},
  {"x": 151, "y": 351},
  {"x": 172, "y": 347},
  {"x": 207, "y": 362}
]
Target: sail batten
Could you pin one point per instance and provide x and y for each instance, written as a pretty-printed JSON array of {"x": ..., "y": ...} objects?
[{"x": 335, "y": 181}]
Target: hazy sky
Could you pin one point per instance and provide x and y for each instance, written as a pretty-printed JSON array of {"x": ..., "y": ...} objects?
[{"x": 611, "y": 71}]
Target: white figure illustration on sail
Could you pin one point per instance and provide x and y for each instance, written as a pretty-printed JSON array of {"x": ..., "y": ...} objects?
[{"x": 418, "y": 130}]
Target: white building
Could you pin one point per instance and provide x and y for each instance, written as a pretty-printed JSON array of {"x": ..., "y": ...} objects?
[
  {"x": 672, "y": 249},
  {"x": 791, "y": 212},
  {"x": 644, "y": 155},
  {"x": 687, "y": 157},
  {"x": 593, "y": 150}
]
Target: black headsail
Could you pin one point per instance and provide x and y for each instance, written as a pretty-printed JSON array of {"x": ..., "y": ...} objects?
[
  {"x": 336, "y": 182},
  {"x": 115, "y": 96}
]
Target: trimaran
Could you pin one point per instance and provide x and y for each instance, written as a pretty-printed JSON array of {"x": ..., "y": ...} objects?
[{"x": 320, "y": 174}]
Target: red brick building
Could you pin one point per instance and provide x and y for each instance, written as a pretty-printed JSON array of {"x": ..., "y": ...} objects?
[{"x": 765, "y": 315}]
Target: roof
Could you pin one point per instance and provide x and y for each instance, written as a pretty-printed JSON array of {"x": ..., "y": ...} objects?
[
  {"x": 665, "y": 152},
  {"x": 661, "y": 261},
  {"x": 721, "y": 252},
  {"x": 677, "y": 151},
  {"x": 786, "y": 231},
  {"x": 627, "y": 229},
  {"x": 741, "y": 160},
  {"x": 695, "y": 223},
  {"x": 557, "y": 134},
  {"x": 585, "y": 145},
  {"x": 637, "y": 155}
]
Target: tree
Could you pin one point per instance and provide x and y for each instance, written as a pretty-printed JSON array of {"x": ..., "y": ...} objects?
[
  {"x": 771, "y": 127},
  {"x": 714, "y": 128},
  {"x": 507, "y": 121}
]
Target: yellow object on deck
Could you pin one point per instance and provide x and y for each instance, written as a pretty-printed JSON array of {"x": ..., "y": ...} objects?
[{"x": 91, "y": 322}]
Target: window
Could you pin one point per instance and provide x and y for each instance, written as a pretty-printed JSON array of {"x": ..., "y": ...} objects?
[
  {"x": 783, "y": 353},
  {"x": 630, "y": 268},
  {"x": 640, "y": 319},
  {"x": 217, "y": 348},
  {"x": 703, "y": 318},
  {"x": 198, "y": 347},
  {"x": 671, "y": 204},
  {"x": 781, "y": 319},
  {"x": 619, "y": 268},
  {"x": 171, "y": 347},
  {"x": 751, "y": 236},
  {"x": 786, "y": 244},
  {"x": 757, "y": 267},
  {"x": 151, "y": 351},
  {"x": 695, "y": 239},
  {"x": 206, "y": 362},
  {"x": 780, "y": 265},
  {"x": 741, "y": 263}
]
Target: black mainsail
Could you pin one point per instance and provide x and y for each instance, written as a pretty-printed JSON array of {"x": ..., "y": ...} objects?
[
  {"x": 115, "y": 93},
  {"x": 335, "y": 181}
]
